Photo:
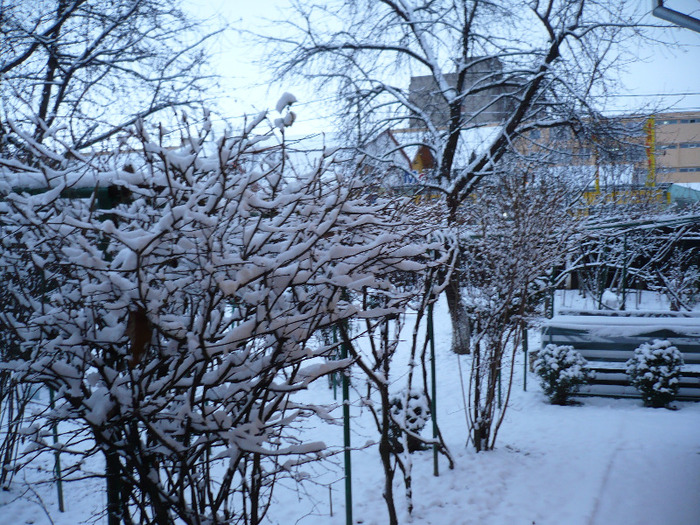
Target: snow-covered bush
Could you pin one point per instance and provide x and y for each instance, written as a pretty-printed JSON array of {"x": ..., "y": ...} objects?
[
  {"x": 610, "y": 300},
  {"x": 655, "y": 370},
  {"x": 561, "y": 370},
  {"x": 176, "y": 327},
  {"x": 413, "y": 419}
]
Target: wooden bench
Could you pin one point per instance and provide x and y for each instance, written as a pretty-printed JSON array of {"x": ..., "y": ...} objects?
[{"x": 608, "y": 339}]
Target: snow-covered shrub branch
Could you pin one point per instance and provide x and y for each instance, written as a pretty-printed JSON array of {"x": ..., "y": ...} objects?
[
  {"x": 515, "y": 232},
  {"x": 376, "y": 353},
  {"x": 678, "y": 277},
  {"x": 625, "y": 252},
  {"x": 176, "y": 326}
]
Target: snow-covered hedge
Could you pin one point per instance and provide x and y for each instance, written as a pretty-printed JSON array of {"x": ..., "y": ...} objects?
[
  {"x": 654, "y": 370},
  {"x": 561, "y": 370},
  {"x": 175, "y": 328}
]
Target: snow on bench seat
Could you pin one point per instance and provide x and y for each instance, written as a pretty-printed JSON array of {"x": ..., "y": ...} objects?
[{"x": 607, "y": 340}]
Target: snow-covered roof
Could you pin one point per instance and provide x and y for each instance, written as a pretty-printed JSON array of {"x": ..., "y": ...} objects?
[{"x": 473, "y": 141}]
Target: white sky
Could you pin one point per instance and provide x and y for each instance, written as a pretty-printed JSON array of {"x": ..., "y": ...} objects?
[{"x": 659, "y": 71}]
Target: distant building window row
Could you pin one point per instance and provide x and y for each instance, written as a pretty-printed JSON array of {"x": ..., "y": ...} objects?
[
  {"x": 682, "y": 170},
  {"x": 675, "y": 121},
  {"x": 682, "y": 145},
  {"x": 633, "y": 127}
]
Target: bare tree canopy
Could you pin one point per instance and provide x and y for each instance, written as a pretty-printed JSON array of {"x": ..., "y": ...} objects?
[
  {"x": 95, "y": 67},
  {"x": 465, "y": 82},
  {"x": 450, "y": 65}
]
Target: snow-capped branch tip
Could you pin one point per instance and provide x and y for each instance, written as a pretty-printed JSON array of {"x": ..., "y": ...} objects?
[
  {"x": 285, "y": 121},
  {"x": 286, "y": 100}
]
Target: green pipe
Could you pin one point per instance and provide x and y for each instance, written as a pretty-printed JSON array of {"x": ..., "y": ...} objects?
[
  {"x": 525, "y": 351},
  {"x": 57, "y": 458},
  {"x": 624, "y": 275},
  {"x": 346, "y": 439},
  {"x": 433, "y": 393}
]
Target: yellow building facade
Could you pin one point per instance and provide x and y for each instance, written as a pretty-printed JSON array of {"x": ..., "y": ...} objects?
[{"x": 677, "y": 146}]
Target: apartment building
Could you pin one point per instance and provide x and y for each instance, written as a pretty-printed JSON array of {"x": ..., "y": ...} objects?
[
  {"x": 486, "y": 102},
  {"x": 676, "y": 146},
  {"x": 661, "y": 148}
]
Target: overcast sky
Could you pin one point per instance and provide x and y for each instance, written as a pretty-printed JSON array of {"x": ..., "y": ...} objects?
[{"x": 659, "y": 71}]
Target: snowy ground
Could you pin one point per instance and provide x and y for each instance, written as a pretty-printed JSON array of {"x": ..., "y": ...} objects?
[{"x": 607, "y": 461}]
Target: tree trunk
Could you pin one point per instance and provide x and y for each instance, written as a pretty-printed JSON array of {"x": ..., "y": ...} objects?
[
  {"x": 113, "y": 468},
  {"x": 385, "y": 455},
  {"x": 458, "y": 314}
]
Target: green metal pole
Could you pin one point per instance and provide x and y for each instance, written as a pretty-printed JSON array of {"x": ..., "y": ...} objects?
[
  {"x": 346, "y": 439},
  {"x": 624, "y": 274},
  {"x": 54, "y": 429},
  {"x": 57, "y": 458},
  {"x": 552, "y": 295},
  {"x": 334, "y": 375},
  {"x": 525, "y": 351},
  {"x": 433, "y": 389}
]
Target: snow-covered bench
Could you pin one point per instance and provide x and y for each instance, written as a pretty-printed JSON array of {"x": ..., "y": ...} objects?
[{"x": 608, "y": 339}]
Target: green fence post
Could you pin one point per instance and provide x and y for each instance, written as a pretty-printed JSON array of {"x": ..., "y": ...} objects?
[
  {"x": 624, "y": 274},
  {"x": 433, "y": 388},
  {"x": 57, "y": 457},
  {"x": 334, "y": 375},
  {"x": 525, "y": 350},
  {"x": 346, "y": 438}
]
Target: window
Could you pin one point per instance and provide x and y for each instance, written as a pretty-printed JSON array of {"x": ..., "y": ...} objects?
[
  {"x": 689, "y": 170},
  {"x": 690, "y": 145},
  {"x": 535, "y": 134},
  {"x": 668, "y": 121},
  {"x": 635, "y": 154},
  {"x": 666, "y": 146},
  {"x": 690, "y": 120}
]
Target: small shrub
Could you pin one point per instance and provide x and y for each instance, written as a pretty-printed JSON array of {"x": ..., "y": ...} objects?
[
  {"x": 416, "y": 417},
  {"x": 654, "y": 370},
  {"x": 561, "y": 370}
]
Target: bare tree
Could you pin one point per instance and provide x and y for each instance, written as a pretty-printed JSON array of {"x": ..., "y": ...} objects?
[
  {"x": 473, "y": 79},
  {"x": 94, "y": 68},
  {"x": 517, "y": 232},
  {"x": 78, "y": 72},
  {"x": 376, "y": 361},
  {"x": 679, "y": 278}
]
